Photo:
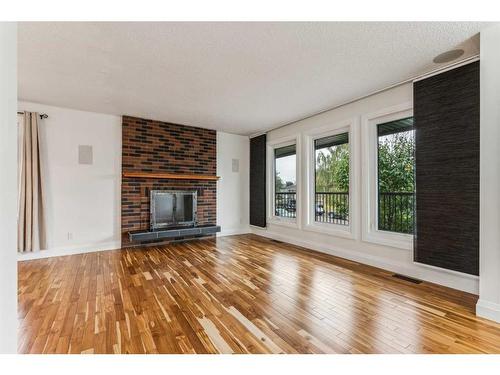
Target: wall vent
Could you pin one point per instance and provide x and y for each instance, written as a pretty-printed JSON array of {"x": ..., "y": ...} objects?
[
  {"x": 85, "y": 155},
  {"x": 406, "y": 278}
]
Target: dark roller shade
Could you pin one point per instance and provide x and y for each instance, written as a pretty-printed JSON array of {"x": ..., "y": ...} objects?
[
  {"x": 393, "y": 127},
  {"x": 258, "y": 181},
  {"x": 284, "y": 151},
  {"x": 330, "y": 141},
  {"x": 446, "y": 115}
]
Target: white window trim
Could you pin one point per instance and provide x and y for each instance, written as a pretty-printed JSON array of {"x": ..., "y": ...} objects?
[
  {"x": 271, "y": 146},
  {"x": 370, "y": 233},
  {"x": 345, "y": 231}
]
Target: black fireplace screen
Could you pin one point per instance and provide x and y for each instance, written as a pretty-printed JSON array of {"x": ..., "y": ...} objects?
[{"x": 171, "y": 208}]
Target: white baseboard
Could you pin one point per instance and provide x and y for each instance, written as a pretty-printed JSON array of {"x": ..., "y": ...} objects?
[
  {"x": 69, "y": 250},
  {"x": 232, "y": 232},
  {"x": 466, "y": 283},
  {"x": 89, "y": 248},
  {"x": 488, "y": 310}
]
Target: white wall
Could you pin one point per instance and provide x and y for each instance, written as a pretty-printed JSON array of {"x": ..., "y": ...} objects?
[
  {"x": 8, "y": 188},
  {"x": 488, "y": 305},
  {"x": 233, "y": 187},
  {"x": 82, "y": 202},
  {"x": 386, "y": 257}
]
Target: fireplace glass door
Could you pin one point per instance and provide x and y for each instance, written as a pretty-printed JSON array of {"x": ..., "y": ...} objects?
[
  {"x": 170, "y": 208},
  {"x": 162, "y": 205},
  {"x": 184, "y": 208}
]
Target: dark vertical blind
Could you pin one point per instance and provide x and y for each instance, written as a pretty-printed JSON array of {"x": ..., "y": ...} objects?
[
  {"x": 331, "y": 141},
  {"x": 258, "y": 181},
  {"x": 446, "y": 114}
]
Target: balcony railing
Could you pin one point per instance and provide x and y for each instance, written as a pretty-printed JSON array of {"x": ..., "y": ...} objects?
[
  {"x": 332, "y": 208},
  {"x": 395, "y": 210},
  {"x": 285, "y": 204},
  {"x": 328, "y": 208}
]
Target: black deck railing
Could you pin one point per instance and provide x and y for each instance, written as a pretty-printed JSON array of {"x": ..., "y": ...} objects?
[
  {"x": 396, "y": 212},
  {"x": 285, "y": 204},
  {"x": 332, "y": 207},
  {"x": 328, "y": 208}
]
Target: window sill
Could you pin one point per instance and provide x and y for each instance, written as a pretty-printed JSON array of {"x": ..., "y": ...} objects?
[
  {"x": 336, "y": 230},
  {"x": 291, "y": 223},
  {"x": 397, "y": 240}
]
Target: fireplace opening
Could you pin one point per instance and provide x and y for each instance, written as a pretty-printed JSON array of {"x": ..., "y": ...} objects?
[{"x": 173, "y": 208}]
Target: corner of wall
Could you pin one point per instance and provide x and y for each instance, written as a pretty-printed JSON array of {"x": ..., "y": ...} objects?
[
  {"x": 234, "y": 231},
  {"x": 488, "y": 310}
]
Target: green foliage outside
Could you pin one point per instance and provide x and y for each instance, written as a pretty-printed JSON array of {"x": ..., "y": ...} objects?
[
  {"x": 280, "y": 184},
  {"x": 395, "y": 163},
  {"x": 332, "y": 176},
  {"x": 395, "y": 168},
  {"x": 332, "y": 169},
  {"x": 396, "y": 175}
]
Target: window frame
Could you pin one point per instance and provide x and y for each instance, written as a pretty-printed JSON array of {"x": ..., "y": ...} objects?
[
  {"x": 272, "y": 218},
  {"x": 346, "y": 231},
  {"x": 370, "y": 231}
]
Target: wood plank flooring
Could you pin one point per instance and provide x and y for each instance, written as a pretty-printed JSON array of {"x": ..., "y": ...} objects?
[{"x": 238, "y": 294}]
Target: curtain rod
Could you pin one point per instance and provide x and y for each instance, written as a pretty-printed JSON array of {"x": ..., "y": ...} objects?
[{"x": 42, "y": 115}]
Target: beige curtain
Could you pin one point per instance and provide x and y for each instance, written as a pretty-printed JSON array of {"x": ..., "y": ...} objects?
[{"x": 31, "y": 224}]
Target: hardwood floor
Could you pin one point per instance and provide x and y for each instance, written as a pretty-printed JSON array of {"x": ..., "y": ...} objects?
[{"x": 238, "y": 294}]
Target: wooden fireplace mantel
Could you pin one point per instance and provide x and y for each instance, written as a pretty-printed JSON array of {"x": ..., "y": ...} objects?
[{"x": 170, "y": 176}]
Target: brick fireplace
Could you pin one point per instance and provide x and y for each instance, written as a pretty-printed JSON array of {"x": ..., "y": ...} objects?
[{"x": 150, "y": 146}]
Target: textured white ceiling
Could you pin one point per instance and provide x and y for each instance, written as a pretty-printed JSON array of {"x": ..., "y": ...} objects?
[{"x": 236, "y": 77}]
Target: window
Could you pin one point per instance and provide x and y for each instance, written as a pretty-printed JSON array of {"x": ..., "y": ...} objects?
[
  {"x": 285, "y": 182},
  {"x": 382, "y": 214},
  {"x": 331, "y": 181},
  {"x": 395, "y": 176}
]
